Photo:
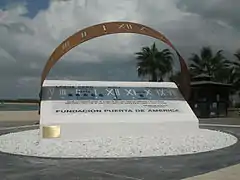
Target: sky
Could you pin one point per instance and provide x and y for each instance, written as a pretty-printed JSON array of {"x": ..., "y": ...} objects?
[{"x": 31, "y": 29}]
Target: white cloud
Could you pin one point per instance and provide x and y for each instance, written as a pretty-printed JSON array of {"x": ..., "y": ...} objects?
[
  {"x": 6, "y": 57},
  {"x": 29, "y": 42},
  {"x": 62, "y": 19}
]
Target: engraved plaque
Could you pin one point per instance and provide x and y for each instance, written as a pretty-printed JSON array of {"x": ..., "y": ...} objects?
[{"x": 51, "y": 132}]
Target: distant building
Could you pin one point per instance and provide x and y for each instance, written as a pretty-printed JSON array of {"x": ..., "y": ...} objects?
[{"x": 209, "y": 98}]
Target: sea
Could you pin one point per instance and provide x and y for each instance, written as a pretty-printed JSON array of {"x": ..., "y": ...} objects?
[{"x": 18, "y": 107}]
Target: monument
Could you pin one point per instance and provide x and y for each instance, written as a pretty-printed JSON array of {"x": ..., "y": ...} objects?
[
  {"x": 70, "y": 109},
  {"x": 73, "y": 110},
  {"x": 98, "y": 119}
]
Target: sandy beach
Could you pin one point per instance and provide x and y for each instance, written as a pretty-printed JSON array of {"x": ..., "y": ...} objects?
[
  {"x": 22, "y": 103},
  {"x": 19, "y": 116}
]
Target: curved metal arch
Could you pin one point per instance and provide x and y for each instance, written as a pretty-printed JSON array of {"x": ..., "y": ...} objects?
[{"x": 115, "y": 28}]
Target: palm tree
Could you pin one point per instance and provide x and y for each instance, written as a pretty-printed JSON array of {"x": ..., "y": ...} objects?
[
  {"x": 237, "y": 62},
  {"x": 209, "y": 63},
  {"x": 236, "y": 71},
  {"x": 151, "y": 61},
  {"x": 238, "y": 58}
]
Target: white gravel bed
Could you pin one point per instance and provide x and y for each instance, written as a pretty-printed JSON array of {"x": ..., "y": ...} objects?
[{"x": 27, "y": 143}]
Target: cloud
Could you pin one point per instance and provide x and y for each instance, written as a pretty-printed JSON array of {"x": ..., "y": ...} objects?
[
  {"x": 26, "y": 43},
  {"x": 226, "y": 12}
]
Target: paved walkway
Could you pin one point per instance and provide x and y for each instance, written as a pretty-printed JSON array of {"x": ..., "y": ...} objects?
[
  {"x": 231, "y": 121},
  {"x": 229, "y": 173}
]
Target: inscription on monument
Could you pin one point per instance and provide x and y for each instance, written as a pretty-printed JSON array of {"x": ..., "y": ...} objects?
[{"x": 110, "y": 93}]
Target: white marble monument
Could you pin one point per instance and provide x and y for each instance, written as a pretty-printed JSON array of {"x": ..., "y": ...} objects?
[{"x": 72, "y": 110}]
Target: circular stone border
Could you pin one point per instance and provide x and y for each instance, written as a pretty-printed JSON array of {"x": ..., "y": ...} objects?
[{"x": 26, "y": 143}]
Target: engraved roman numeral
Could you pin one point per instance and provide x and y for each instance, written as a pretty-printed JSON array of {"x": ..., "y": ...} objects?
[
  {"x": 62, "y": 92},
  {"x": 117, "y": 92},
  {"x": 125, "y": 26},
  {"x": 83, "y": 34},
  {"x": 104, "y": 28},
  {"x": 95, "y": 92},
  {"x": 171, "y": 93},
  {"x": 143, "y": 28},
  {"x": 148, "y": 92},
  {"x": 131, "y": 92},
  {"x": 65, "y": 45},
  {"x": 78, "y": 91},
  {"x": 50, "y": 92},
  {"x": 161, "y": 92},
  {"x": 110, "y": 92}
]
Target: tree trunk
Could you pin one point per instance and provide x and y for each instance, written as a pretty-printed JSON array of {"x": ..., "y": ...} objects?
[
  {"x": 154, "y": 77},
  {"x": 160, "y": 80}
]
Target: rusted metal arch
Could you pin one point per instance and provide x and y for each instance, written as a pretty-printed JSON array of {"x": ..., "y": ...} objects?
[{"x": 115, "y": 28}]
